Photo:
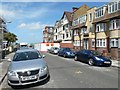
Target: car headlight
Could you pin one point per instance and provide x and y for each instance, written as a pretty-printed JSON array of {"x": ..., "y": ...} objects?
[
  {"x": 68, "y": 52},
  {"x": 43, "y": 68},
  {"x": 98, "y": 58},
  {"x": 11, "y": 73}
]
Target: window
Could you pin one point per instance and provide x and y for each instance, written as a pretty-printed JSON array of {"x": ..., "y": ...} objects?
[
  {"x": 113, "y": 7},
  {"x": 93, "y": 42},
  {"x": 90, "y": 16},
  {"x": 114, "y": 24},
  {"x": 67, "y": 35},
  {"x": 99, "y": 12},
  {"x": 75, "y": 22},
  {"x": 101, "y": 42},
  {"x": 114, "y": 42},
  {"x": 82, "y": 19},
  {"x": 119, "y": 5},
  {"x": 76, "y": 43},
  {"x": 56, "y": 37},
  {"x": 100, "y": 27},
  {"x": 63, "y": 36},
  {"x": 116, "y": 6}
]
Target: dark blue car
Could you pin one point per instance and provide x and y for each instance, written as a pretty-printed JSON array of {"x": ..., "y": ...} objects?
[
  {"x": 92, "y": 57},
  {"x": 66, "y": 52}
]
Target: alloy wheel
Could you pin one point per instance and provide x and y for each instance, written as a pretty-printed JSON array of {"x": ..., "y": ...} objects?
[{"x": 91, "y": 62}]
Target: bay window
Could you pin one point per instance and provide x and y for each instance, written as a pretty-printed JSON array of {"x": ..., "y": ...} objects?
[
  {"x": 113, "y": 7},
  {"x": 101, "y": 42},
  {"x": 100, "y": 27},
  {"x": 114, "y": 24}
]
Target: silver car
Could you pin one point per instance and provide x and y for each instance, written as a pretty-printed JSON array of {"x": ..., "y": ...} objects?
[{"x": 27, "y": 67}]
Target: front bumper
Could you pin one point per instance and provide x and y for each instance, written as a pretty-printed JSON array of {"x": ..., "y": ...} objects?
[
  {"x": 17, "y": 80},
  {"x": 104, "y": 63}
]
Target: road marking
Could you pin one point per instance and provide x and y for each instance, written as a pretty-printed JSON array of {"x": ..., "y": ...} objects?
[{"x": 78, "y": 72}]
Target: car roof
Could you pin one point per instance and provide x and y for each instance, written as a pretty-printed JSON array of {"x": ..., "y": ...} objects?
[{"x": 26, "y": 50}]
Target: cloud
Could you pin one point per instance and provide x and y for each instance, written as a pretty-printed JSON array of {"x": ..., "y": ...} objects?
[
  {"x": 24, "y": 10},
  {"x": 32, "y": 26}
]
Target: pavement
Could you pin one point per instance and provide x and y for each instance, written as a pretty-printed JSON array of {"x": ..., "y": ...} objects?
[{"x": 115, "y": 63}]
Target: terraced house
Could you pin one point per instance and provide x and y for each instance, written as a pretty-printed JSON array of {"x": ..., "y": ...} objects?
[
  {"x": 58, "y": 32},
  {"x": 96, "y": 28},
  {"x": 107, "y": 29},
  {"x": 66, "y": 21},
  {"x": 79, "y": 27},
  {"x": 62, "y": 31}
]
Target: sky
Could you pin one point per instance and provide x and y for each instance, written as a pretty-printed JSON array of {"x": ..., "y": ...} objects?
[{"x": 28, "y": 19}]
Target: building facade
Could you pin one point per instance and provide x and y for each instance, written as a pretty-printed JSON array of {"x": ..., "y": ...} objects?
[
  {"x": 66, "y": 22},
  {"x": 96, "y": 28},
  {"x": 58, "y": 32},
  {"x": 107, "y": 29},
  {"x": 48, "y": 34},
  {"x": 79, "y": 26}
]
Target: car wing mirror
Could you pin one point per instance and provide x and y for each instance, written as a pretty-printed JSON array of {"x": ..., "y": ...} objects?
[{"x": 43, "y": 56}]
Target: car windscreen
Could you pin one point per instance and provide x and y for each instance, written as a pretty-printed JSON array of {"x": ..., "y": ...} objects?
[
  {"x": 26, "y": 56},
  {"x": 67, "y": 49},
  {"x": 56, "y": 48}
]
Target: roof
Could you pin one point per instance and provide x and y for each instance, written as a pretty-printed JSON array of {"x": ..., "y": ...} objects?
[{"x": 68, "y": 15}]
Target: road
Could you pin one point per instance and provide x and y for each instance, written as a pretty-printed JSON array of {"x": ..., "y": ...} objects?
[{"x": 67, "y": 73}]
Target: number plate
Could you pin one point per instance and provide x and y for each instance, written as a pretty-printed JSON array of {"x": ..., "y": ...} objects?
[
  {"x": 28, "y": 78},
  {"x": 107, "y": 62}
]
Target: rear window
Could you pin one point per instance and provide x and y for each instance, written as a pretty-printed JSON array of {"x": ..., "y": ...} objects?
[{"x": 26, "y": 56}]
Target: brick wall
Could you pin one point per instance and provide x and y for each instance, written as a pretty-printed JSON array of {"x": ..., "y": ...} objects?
[{"x": 66, "y": 45}]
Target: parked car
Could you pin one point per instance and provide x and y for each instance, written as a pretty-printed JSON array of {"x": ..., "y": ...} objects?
[
  {"x": 92, "y": 57},
  {"x": 66, "y": 52},
  {"x": 27, "y": 67},
  {"x": 54, "y": 50}
]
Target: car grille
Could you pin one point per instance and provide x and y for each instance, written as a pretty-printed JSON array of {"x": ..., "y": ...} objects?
[
  {"x": 27, "y": 81},
  {"x": 31, "y": 72}
]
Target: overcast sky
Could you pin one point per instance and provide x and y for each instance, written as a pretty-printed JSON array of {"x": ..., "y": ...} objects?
[{"x": 28, "y": 19}]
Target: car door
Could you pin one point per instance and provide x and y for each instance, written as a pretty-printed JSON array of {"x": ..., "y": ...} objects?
[
  {"x": 79, "y": 55},
  {"x": 85, "y": 55},
  {"x": 60, "y": 51}
]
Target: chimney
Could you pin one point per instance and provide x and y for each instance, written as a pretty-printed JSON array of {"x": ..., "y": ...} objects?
[{"x": 74, "y": 9}]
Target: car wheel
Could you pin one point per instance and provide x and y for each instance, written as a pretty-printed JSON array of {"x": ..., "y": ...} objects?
[
  {"x": 58, "y": 54},
  {"x": 76, "y": 58},
  {"x": 91, "y": 62}
]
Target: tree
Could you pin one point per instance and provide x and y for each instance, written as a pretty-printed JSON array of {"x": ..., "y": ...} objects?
[{"x": 10, "y": 38}]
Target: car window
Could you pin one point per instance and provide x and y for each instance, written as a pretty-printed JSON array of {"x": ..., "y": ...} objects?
[
  {"x": 26, "y": 56},
  {"x": 95, "y": 53}
]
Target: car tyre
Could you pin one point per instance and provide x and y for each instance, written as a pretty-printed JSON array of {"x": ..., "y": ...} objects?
[
  {"x": 76, "y": 58},
  {"x": 91, "y": 62},
  {"x": 58, "y": 54}
]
